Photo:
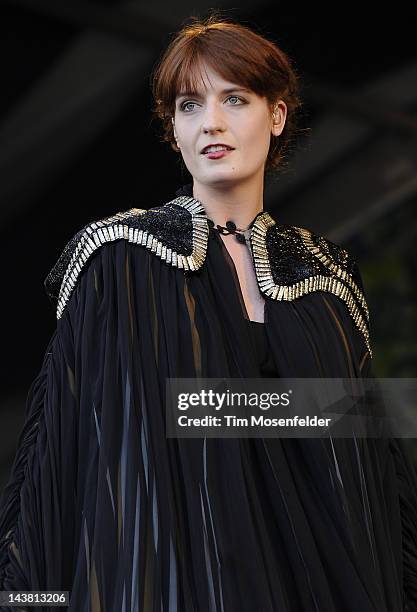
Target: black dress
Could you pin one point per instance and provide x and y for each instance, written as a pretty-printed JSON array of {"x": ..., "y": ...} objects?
[
  {"x": 102, "y": 504},
  {"x": 266, "y": 363}
]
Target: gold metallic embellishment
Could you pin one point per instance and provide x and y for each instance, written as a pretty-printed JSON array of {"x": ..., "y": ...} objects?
[
  {"x": 112, "y": 228},
  {"x": 333, "y": 267},
  {"x": 317, "y": 282}
]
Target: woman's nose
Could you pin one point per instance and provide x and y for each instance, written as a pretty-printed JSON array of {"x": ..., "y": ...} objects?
[{"x": 213, "y": 119}]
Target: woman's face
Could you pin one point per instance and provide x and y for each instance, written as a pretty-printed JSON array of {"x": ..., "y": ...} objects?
[{"x": 223, "y": 112}]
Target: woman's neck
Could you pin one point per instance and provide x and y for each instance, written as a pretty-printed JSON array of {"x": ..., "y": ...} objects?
[{"x": 239, "y": 203}]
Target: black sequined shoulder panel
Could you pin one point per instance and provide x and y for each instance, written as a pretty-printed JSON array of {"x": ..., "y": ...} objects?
[
  {"x": 292, "y": 261},
  {"x": 176, "y": 232}
]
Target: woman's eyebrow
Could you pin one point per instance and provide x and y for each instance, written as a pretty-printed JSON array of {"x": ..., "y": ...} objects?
[{"x": 224, "y": 91}]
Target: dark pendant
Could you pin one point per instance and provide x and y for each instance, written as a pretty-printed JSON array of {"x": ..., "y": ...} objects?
[{"x": 229, "y": 229}]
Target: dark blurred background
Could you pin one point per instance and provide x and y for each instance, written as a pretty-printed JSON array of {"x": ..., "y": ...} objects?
[{"x": 77, "y": 143}]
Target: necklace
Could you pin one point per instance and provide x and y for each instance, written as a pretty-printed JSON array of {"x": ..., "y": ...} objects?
[{"x": 241, "y": 235}]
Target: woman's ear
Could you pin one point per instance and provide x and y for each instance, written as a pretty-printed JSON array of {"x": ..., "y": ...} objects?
[
  {"x": 175, "y": 133},
  {"x": 279, "y": 117},
  {"x": 173, "y": 125}
]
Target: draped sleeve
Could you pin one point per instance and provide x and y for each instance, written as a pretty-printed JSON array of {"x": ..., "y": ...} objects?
[
  {"x": 91, "y": 506},
  {"x": 391, "y": 498},
  {"x": 400, "y": 483},
  {"x": 37, "y": 504},
  {"x": 407, "y": 491}
]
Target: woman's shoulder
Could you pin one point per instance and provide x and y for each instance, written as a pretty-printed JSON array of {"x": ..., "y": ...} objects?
[
  {"x": 83, "y": 244},
  {"x": 305, "y": 253},
  {"x": 304, "y": 262},
  {"x": 168, "y": 230}
]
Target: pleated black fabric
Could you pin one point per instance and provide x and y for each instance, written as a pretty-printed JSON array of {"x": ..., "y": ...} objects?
[{"x": 102, "y": 504}]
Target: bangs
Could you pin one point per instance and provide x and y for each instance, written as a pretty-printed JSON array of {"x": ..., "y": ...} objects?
[{"x": 191, "y": 73}]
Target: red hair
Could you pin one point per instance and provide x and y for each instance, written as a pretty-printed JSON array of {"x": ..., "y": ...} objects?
[{"x": 237, "y": 54}]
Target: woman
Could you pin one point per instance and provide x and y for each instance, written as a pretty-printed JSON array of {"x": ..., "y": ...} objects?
[{"x": 100, "y": 502}]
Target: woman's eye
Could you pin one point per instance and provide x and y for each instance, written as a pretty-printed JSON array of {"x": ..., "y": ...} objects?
[
  {"x": 236, "y": 98},
  {"x": 184, "y": 105}
]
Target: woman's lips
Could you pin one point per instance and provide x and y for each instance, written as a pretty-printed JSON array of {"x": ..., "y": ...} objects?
[{"x": 217, "y": 154}]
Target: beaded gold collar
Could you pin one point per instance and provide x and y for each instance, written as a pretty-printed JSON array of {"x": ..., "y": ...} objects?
[{"x": 289, "y": 261}]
